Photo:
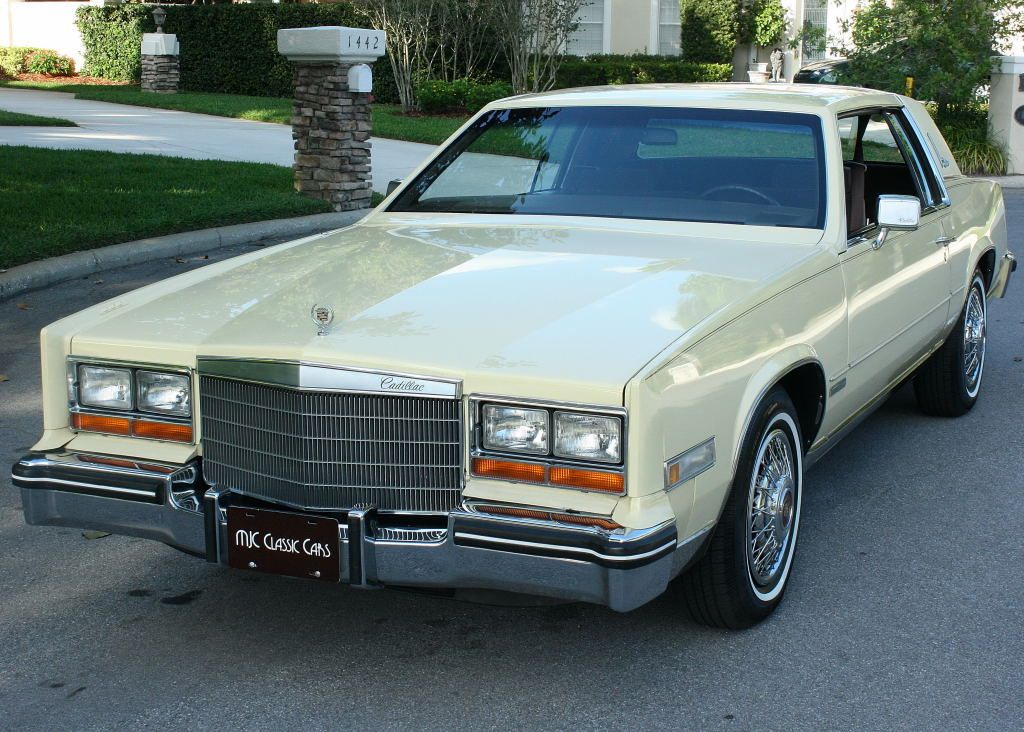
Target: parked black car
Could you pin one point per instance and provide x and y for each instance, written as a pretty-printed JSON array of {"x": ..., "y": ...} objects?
[{"x": 829, "y": 71}]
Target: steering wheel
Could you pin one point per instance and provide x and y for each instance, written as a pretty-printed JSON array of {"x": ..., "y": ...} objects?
[{"x": 743, "y": 189}]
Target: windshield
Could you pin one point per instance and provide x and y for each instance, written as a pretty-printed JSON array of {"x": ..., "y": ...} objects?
[{"x": 715, "y": 165}]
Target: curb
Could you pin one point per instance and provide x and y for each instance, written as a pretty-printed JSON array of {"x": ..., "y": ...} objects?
[{"x": 35, "y": 275}]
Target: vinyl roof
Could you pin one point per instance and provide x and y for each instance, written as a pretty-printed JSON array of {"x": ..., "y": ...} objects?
[{"x": 792, "y": 97}]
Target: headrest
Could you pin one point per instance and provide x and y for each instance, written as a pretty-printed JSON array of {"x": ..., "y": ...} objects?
[{"x": 659, "y": 136}]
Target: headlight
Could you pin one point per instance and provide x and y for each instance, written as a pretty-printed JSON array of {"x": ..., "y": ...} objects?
[
  {"x": 104, "y": 387},
  {"x": 588, "y": 437},
  {"x": 164, "y": 393},
  {"x": 515, "y": 429}
]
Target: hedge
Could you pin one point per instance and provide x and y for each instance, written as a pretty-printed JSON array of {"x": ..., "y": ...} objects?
[
  {"x": 638, "y": 69},
  {"x": 460, "y": 95},
  {"x": 112, "y": 36},
  {"x": 710, "y": 29},
  {"x": 232, "y": 49},
  {"x": 224, "y": 48}
]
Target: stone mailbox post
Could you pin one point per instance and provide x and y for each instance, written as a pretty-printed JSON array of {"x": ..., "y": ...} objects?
[
  {"x": 331, "y": 111},
  {"x": 1006, "y": 109},
  {"x": 160, "y": 62}
]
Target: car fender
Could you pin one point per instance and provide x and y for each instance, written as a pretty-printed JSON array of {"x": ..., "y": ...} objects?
[{"x": 771, "y": 372}]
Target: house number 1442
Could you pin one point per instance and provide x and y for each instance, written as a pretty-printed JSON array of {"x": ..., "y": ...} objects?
[{"x": 369, "y": 42}]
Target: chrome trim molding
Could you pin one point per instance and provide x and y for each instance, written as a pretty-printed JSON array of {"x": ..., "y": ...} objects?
[
  {"x": 98, "y": 488},
  {"x": 308, "y": 376},
  {"x": 926, "y": 145},
  {"x": 573, "y": 550}
]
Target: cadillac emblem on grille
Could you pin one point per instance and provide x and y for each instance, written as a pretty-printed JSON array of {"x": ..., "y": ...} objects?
[{"x": 323, "y": 316}]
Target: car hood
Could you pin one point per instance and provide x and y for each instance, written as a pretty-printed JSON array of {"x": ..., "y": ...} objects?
[{"x": 536, "y": 302}]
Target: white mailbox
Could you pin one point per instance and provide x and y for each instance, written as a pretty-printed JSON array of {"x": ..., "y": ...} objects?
[
  {"x": 360, "y": 79},
  {"x": 331, "y": 44}
]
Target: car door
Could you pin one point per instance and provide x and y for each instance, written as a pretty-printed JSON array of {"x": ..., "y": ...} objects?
[{"x": 898, "y": 293}]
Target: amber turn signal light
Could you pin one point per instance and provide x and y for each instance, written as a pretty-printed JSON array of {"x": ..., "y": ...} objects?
[
  {"x": 508, "y": 470},
  {"x": 591, "y": 480},
  {"x": 99, "y": 423},
  {"x": 163, "y": 431},
  {"x": 132, "y": 427}
]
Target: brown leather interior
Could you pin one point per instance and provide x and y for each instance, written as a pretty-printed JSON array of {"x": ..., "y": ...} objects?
[{"x": 856, "y": 209}]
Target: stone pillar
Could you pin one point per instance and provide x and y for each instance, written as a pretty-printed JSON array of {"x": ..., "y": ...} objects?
[
  {"x": 1006, "y": 109},
  {"x": 160, "y": 63},
  {"x": 331, "y": 111}
]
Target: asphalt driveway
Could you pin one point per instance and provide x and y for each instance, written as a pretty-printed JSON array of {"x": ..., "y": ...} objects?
[{"x": 904, "y": 610}]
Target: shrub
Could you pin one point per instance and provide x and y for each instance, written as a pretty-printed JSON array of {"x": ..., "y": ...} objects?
[
  {"x": 969, "y": 136},
  {"x": 435, "y": 95},
  {"x": 459, "y": 95},
  {"x": 709, "y": 30},
  {"x": 638, "y": 69},
  {"x": 12, "y": 59},
  {"x": 50, "y": 63},
  {"x": 480, "y": 95}
]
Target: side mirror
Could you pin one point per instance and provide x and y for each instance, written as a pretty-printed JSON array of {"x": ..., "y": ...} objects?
[
  {"x": 393, "y": 184},
  {"x": 896, "y": 213}
]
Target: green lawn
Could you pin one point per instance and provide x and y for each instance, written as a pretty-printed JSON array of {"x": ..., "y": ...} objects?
[
  {"x": 69, "y": 200},
  {"x": 16, "y": 119},
  {"x": 388, "y": 121}
]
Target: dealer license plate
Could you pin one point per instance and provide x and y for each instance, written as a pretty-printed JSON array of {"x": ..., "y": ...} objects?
[{"x": 291, "y": 544}]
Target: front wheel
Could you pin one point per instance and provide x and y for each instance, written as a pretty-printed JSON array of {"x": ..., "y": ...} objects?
[
  {"x": 948, "y": 383},
  {"x": 743, "y": 576}
]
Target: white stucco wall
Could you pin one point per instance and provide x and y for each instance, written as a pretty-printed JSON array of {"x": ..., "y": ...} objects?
[{"x": 44, "y": 25}]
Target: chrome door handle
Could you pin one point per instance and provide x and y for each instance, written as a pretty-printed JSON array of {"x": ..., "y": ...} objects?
[{"x": 943, "y": 240}]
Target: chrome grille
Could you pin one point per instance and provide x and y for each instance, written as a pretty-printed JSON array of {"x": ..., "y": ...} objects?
[{"x": 331, "y": 450}]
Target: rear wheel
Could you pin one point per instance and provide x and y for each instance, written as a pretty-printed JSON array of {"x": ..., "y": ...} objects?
[
  {"x": 743, "y": 576},
  {"x": 948, "y": 383}
]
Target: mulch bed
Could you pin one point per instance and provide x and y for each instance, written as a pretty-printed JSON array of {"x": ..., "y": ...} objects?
[{"x": 91, "y": 80}]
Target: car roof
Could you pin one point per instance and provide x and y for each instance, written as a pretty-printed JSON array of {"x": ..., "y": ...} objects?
[{"x": 808, "y": 98}]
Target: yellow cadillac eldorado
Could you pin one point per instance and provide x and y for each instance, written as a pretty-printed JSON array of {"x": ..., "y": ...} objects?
[{"x": 587, "y": 351}]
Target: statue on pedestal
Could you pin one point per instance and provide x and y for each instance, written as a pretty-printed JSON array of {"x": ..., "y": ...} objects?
[{"x": 776, "y": 60}]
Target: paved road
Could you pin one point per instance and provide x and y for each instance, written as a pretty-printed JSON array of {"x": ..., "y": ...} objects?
[
  {"x": 122, "y": 128},
  {"x": 904, "y": 610}
]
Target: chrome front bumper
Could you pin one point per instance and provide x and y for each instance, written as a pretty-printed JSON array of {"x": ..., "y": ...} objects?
[{"x": 622, "y": 569}]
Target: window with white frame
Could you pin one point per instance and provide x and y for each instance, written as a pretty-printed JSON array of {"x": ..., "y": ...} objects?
[
  {"x": 588, "y": 38},
  {"x": 668, "y": 28},
  {"x": 815, "y": 16}
]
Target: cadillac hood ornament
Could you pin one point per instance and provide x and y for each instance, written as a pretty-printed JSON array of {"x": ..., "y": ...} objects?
[{"x": 323, "y": 316}]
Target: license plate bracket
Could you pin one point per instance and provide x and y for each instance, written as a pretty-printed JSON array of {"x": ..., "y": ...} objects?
[{"x": 278, "y": 542}]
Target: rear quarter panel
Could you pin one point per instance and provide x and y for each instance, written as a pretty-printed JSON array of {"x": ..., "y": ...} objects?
[{"x": 978, "y": 223}]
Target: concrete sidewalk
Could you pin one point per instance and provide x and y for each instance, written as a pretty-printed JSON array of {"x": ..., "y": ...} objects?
[{"x": 127, "y": 129}]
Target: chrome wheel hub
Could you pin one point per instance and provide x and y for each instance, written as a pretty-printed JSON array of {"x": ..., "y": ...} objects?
[
  {"x": 975, "y": 337},
  {"x": 772, "y": 508}
]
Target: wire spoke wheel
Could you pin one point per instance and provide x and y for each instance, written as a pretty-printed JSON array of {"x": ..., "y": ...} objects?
[
  {"x": 975, "y": 336},
  {"x": 771, "y": 508}
]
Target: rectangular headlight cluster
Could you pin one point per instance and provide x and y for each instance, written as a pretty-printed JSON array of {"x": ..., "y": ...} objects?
[
  {"x": 570, "y": 435},
  {"x": 554, "y": 440},
  {"x": 126, "y": 400}
]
